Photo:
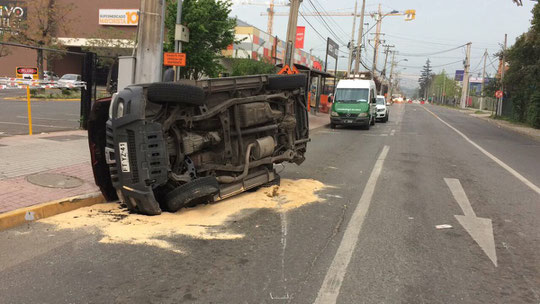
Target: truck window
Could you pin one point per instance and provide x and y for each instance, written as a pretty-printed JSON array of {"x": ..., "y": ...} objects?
[{"x": 352, "y": 95}]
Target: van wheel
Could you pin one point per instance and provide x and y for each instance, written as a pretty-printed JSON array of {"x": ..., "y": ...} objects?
[
  {"x": 201, "y": 190},
  {"x": 366, "y": 127},
  {"x": 172, "y": 92},
  {"x": 332, "y": 125},
  {"x": 372, "y": 121}
]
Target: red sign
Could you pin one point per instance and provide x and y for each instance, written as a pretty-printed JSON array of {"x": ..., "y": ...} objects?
[
  {"x": 300, "y": 35},
  {"x": 27, "y": 70},
  {"x": 499, "y": 94},
  {"x": 174, "y": 59}
]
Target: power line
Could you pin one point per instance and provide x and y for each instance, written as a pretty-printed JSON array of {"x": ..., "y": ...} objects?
[{"x": 434, "y": 53}]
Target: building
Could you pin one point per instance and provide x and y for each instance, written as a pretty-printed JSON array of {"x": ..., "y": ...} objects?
[
  {"x": 87, "y": 19},
  {"x": 259, "y": 45},
  {"x": 115, "y": 23}
]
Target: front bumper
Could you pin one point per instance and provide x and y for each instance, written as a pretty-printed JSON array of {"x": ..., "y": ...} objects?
[
  {"x": 136, "y": 152},
  {"x": 381, "y": 114},
  {"x": 350, "y": 121}
]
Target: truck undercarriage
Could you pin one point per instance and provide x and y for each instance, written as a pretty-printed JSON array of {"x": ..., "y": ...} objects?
[{"x": 173, "y": 145}]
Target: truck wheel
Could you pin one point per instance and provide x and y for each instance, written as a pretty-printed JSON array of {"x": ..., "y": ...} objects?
[
  {"x": 332, "y": 125},
  {"x": 286, "y": 82},
  {"x": 171, "y": 92},
  {"x": 201, "y": 190},
  {"x": 366, "y": 127}
]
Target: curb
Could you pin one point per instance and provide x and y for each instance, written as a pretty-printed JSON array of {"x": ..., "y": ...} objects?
[{"x": 33, "y": 213}]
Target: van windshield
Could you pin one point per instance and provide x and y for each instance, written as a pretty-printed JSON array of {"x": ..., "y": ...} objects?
[{"x": 352, "y": 95}]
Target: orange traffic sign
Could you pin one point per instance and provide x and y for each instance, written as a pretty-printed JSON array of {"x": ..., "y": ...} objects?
[{"x": 174, "y": 59}]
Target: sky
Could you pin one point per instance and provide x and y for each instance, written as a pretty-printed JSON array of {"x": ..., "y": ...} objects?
[{"x": 439, "y": 25}]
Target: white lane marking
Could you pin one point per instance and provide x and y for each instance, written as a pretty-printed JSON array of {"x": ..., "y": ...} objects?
[
  {"x": 334, "y": 277},
  {"x": 51, "y": 119},
  {"x": 495, "y": 159},
  {"x": 479, "y": 228},
  {"x": 392, "y": 133},
  {"x": 25, "y": 124}
]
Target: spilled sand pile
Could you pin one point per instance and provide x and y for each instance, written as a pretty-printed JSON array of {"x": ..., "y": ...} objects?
[{"x": 118, "y": 226}]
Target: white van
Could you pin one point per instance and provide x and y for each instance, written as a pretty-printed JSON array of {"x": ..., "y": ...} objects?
[{"x": 354, "y": 103}]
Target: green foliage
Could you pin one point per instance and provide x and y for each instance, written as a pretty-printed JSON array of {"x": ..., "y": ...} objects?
[
  {"x": 534, "y": 110},
  {"x": 442, "y": 82},
  {"x": 211, "y": 30},
  {"x": 521, "y": 80},
  {"x": 425, "y": 78},
  {"x": 244, "y": 66}
]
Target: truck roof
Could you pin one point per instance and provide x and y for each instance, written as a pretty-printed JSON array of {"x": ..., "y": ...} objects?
[{"x": 355, "y": 84}]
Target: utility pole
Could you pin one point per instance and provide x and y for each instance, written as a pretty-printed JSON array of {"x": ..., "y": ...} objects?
[
  {"x": 444, "y": 89},
  {"x": 149, "y": 58},
  {"x": 389, "y": 97},
  {"x": 178, "y": 43},
  {"x": 465, "y": 90},
  {"x": 377, "y": 39},
  {"x": 351, "y": 46},
  {"x": 499, "y": 106},
  {"x": 291, "y": 33},
  {"x": 386, "y": 57},
  {"x": 359, "y": 42},
  {"x": 483, "y": 81}
]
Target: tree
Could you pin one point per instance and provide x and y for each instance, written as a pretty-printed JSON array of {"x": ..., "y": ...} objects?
[
  {"x": 109, "y": 43},
  {"x": 521, "y": 78},
  {"x": 425, "y": 78},
  {"x": 40, "y": 29},
  {"x": 211, "y": 30},
  {"x": 245, "y": 66}
]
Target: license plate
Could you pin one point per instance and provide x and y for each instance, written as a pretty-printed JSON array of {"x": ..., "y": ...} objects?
[
  {"x": 348, "y": 121},
  {"x": 124, "y": 157}
]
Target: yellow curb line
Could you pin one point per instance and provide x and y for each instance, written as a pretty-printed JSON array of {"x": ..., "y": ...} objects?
[{"x": 33, "y": 213}]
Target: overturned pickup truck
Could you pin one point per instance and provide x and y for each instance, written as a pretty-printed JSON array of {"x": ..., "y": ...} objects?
[{"x": 165, "y": 146}]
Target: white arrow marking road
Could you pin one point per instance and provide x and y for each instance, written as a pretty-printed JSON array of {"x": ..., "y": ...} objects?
[{"x": 479, "y": 228}]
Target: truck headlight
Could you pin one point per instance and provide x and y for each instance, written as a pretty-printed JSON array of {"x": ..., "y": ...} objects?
[
  {"x": 362, "y": 114},
  {"x": 334, "y": 114}
]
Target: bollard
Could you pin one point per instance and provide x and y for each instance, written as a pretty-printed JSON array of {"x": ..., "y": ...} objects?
[{"x": 29, "y": 110}]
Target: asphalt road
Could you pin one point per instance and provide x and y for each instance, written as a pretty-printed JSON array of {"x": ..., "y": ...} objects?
[
  {"x": 373, "y": 240},
  {"x": 47, "y": 116}
]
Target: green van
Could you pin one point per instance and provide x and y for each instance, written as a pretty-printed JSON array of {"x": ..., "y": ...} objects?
[{"x": 354, "y": 103}]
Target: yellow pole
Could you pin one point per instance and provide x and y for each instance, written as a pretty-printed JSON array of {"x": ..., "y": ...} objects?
[{"x": 29, "y": 110}]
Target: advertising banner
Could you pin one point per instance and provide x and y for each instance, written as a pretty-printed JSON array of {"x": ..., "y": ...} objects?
[
  {"x": 119, "y": 17},
  {"x": 300, "y": 35}
]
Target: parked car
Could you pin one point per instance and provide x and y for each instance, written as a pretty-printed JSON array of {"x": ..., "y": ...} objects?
[
  {"x": 50, "y": 76},
  {"x": 164, "y": 146},
  {"x": 354, "y": 103},
  {"x": 383, "y": 112},
  {"x": 70, "y": 78}
]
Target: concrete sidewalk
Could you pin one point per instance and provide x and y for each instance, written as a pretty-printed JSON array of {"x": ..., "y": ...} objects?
[
  {"x": 47, "y": 167},
  {"x": 42, "y": 168}
]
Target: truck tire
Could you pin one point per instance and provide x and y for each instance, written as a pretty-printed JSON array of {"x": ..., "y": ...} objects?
[
  {"x": 198, "y": 191},
  {"x": 286, "y": 82},
  {"x": 171, "y": 92}
]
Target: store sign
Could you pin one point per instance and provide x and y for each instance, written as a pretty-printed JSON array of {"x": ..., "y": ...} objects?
[
  {"x": 11, "y": 15},
  {"x": 332, "y": 48},
  {"x": 119, "y": 17}
]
